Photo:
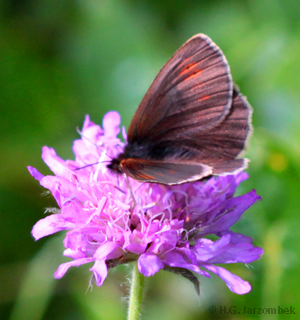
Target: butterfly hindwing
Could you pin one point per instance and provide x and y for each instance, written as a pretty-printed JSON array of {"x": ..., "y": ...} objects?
[{"x": 165, "y": 172}]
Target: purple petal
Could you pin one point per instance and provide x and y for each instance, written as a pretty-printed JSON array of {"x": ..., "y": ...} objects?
[
  {"x": 74, "y": 254},
  {"x": 238, "y": 237},
  {"x": 175, "y": 259},
  {"x": 56, "y": 164},
  {"x": 223, "y": 251},
  {"x": 86, "y": 147},
  {"x": 87, "y": 125},
  {"x": 165, "y": 242},
  {"x": 233, "y": 282},
  {"x": 100, "y": 271},
  {"x": 35, "y": 173},
  {"x": 105, "y": 249},
  {"x": 135, "y": 242},
  {"x": 50, "y": 225},
  {"x": 111, "y": 124},
  {"x": 241, "y": 176},
  {"x": 64, "y": 267},
  {"x": 236, "y": 207},
  {"x": 206, "y": 249},
  {"x": 149, "y": 264},
  {"x": 245, "y": 253}
]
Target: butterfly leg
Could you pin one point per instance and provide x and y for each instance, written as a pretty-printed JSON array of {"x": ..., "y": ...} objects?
[{"x": 133, "y": 204}]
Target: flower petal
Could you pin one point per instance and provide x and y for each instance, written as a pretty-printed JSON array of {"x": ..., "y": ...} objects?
[
  {"x": 176, "y": 260},
  {"x": 64, "y": 267},
  {"x": 99, "y": 270},
  {"x": 111, "y": 124},
  {"x": 50, "y": 225},
  {"x": 56, "y": 164},
  {"x": 235, "y": 207},
  {"x": 105, "y": 249},
  {"x": 233, "y": 282},
  {"x": 35, "y": 173},
  {"x": 149, "y": 264}
]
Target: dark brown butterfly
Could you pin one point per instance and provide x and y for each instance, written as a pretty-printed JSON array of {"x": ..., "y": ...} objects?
[{"x": 192, "y": 123}]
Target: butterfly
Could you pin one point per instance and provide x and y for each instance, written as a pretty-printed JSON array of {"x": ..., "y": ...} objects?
[{"x": 191, "y": 124}]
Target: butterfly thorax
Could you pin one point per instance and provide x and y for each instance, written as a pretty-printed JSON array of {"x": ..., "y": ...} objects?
[{"x": 132, "y": 150}]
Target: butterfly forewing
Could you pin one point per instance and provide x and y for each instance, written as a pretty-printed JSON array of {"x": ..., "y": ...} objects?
[
  {"x": 191, "y": 124},
  {"x": 193, "y": 88}
]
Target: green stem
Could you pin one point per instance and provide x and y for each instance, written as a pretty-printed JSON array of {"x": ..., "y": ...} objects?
[{"x": 136, "y": 294}]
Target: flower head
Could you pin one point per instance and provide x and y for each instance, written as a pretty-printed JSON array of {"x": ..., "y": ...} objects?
[{"x": 167, "y": 228}]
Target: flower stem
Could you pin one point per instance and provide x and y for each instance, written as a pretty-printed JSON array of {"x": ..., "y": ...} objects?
[{"x": 136, "y": 294}]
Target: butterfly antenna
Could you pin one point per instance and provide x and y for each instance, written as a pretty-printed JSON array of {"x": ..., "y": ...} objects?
[
  {"x": 88, "y": 165},
  {"x": 108, "y": 156},
  {"x": 91, "y": 164}
]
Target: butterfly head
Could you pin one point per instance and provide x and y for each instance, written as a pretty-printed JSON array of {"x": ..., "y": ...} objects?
[{"x": 115, "y": 164}]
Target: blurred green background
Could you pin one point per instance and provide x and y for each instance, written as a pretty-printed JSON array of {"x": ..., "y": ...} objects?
[{"x": 63, "y": 59}]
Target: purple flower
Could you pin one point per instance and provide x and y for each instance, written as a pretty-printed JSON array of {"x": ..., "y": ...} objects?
[{"x": 167, "y": 228}]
